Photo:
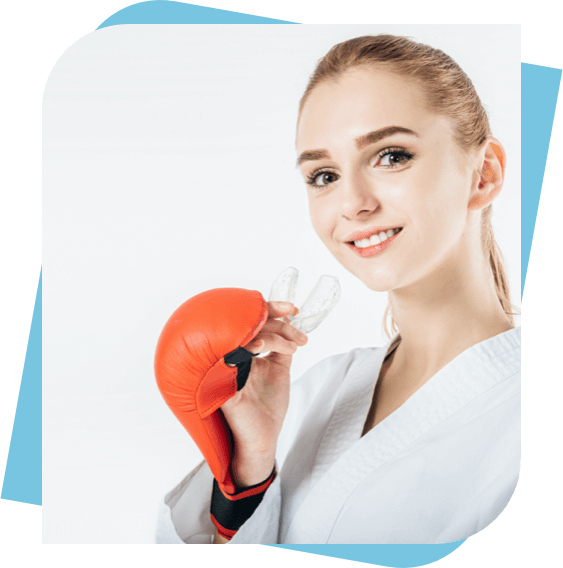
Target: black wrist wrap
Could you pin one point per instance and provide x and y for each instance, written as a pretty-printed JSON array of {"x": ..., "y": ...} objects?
[{"x": 229, "y": 512}]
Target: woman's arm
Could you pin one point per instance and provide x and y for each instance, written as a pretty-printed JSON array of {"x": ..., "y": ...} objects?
[{"x": 218, "y": 539}]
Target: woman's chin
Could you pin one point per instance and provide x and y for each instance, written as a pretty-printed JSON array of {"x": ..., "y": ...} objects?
[
  {"x": 378, "y": 288},
  {"x": 379, "y": 284}
]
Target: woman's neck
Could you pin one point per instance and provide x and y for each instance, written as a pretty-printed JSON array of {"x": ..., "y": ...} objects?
[{"x": 444, "y": 314}]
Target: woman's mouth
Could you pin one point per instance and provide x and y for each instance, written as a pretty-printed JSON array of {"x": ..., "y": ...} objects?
[{"x": 375, "y": 244}]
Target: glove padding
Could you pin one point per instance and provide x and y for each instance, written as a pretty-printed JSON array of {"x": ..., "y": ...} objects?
[{"x": 193, "y": 377}]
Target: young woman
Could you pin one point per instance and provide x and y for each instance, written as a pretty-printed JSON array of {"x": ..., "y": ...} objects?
[{"x": 416, "y": 441}]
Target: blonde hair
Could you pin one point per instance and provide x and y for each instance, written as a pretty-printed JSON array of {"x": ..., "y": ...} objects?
[{"x": 448, "y": 91}]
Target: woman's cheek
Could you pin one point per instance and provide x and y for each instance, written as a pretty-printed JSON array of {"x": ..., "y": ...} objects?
[{"x": 320, "y": 219}]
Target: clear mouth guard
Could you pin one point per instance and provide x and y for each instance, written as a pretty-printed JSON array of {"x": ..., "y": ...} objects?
[{"x": 322, "y": 298}]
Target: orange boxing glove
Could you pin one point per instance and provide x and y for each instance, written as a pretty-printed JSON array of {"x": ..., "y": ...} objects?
[{"x": 200, "y": 339}]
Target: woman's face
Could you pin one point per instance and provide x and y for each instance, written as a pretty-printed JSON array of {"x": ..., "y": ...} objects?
[{"x": 388, "y": 187}]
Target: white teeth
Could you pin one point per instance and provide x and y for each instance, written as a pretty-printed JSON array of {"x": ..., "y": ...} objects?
[{"x": 376, "y": 239}]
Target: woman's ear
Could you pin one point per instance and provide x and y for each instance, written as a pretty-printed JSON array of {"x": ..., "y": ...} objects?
[{"x": 492, "y": 164}]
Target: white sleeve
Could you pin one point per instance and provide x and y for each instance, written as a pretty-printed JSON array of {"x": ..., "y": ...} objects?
[{"x": 183, "y": 516}]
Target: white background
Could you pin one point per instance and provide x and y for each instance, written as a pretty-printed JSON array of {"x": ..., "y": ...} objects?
[{"x": 169, "y": 169}]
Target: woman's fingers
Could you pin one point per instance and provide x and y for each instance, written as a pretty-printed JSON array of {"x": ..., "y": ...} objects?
[
  {"x": 265, "y": 342},
  {"x": 277, "y": 335},
  {"x": 285, "y": 330},
  {"x": 280, "y": 309}
]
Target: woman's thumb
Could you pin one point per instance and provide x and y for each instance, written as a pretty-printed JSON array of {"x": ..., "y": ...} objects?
[{"x": 279, "y": 309}]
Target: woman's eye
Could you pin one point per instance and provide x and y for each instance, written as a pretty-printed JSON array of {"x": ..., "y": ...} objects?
[
  {"x": 322, "y": 179},
  {"x": 394, "y": 159},
  {"x": 326, "y": 178}
]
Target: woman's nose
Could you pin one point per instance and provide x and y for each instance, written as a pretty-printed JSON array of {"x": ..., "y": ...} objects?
[{"x": 358, "y": 198}]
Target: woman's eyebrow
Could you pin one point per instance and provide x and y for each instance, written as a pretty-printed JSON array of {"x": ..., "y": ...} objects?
[{"x": 360, "y": 142}]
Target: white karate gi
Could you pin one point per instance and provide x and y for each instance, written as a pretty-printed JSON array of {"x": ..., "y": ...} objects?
[{"x": 438, "y": 469}]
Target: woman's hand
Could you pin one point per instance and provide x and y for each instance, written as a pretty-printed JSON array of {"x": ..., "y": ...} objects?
[{"x": 256, "y": 413}]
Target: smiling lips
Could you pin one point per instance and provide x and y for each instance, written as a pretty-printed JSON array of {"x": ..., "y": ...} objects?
[
  {"x": 369, "y": 232},
  {"x": 377, "y": 242},
  {"x": 375, "y": 238}
]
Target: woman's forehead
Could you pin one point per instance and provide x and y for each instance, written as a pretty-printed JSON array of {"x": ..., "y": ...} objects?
[
  {"x": 366, "y": 86},
  {"x": 361, "y": 92},
  {"x": 361, "y": 101}
]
